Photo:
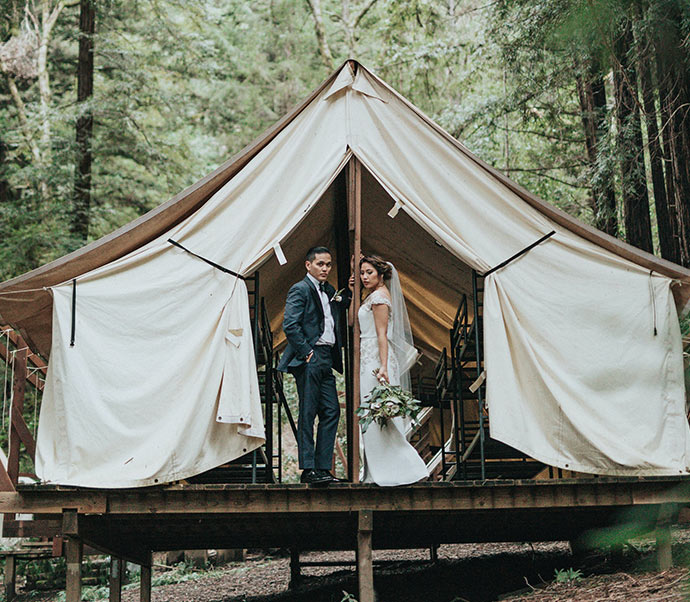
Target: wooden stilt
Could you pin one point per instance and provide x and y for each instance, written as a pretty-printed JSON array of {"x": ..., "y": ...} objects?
[
  {"x": 664, "y": 519},
  {"x": 10, "y": 577},
  {"x": 365, "y": 565},
  {"x": 74, "y": 550},
  {"x": 295, "y": 572},
  {"x": 354, "y": 202},
  {"x": 663, "y": 547},
  {"x": 145, "y": 581},
  {"x": 433, "y": 553},
  {"x": 115, "y": 579}
]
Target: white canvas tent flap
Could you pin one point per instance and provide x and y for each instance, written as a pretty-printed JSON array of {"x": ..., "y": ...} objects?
[{"x": 161, "y": 382}]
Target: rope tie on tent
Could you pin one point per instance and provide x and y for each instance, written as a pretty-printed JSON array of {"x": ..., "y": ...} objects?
[
  {"x": 74, "y": 312},
  {"x": 653, "y": 296},
  {"x": 24, "y": 290},
  {"x": 213, "y": 263},
  {"x": 519, "y": 254}
]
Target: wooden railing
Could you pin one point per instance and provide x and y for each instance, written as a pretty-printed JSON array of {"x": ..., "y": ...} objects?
[{"x": 25, "y": 367}]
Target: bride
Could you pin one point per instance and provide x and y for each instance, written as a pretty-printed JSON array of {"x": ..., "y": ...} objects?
[{"x": 385, "y": 347}]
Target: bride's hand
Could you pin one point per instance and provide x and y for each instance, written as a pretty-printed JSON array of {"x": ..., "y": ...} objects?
[
  {"x": 382, "y": 375},
  {"x": 351, "y": 283}
]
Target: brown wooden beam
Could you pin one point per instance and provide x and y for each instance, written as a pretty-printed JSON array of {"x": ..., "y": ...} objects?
[
  {"x": 343, "y": 254},
  {"x": 354, "y": 203},
  {"x": 295, "y": 569},
  {"x": 25, "y": 436},
  {"x": 74, "y": 554},
  {"x": 365, "y": 566},
  {"x": 32, "y": 528},
  {"x": 70, "y": 523},
  {"x": 10, "y": 578},
  {"x": 664, "y": 554},
  {"x": 145, "y": 581},
  {"x": 18, "y": 388},
  {"x": 6, "y": 483},
  {"x": 115, "y": 579}
]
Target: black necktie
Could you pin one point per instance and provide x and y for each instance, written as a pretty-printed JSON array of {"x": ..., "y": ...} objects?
[{"x": 322, "y": 287}]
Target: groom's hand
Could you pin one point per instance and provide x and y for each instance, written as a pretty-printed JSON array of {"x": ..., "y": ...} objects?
[{"x": 309, "y": 356}]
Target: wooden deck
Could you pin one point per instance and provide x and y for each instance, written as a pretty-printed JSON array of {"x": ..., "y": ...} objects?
[
  {"x": 308, "y": 517},
  {"x": 130, "y": 524}
]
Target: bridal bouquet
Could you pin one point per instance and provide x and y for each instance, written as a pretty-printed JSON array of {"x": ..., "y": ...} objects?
[{"x": 387, "y": 401}]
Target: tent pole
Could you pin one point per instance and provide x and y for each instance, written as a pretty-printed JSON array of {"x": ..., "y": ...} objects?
[
  {"x": 354, "y": 204},
  {"x": 343, "y": 253}
]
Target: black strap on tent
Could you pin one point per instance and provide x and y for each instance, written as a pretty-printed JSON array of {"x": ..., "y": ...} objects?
[
  {"x": 215, "y": 265},
  {"x": 74, "y": 311},
  {"x": 519, "y": 253}
]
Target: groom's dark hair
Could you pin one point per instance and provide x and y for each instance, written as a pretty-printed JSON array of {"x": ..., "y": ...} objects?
[{"x": 311, "y": 253}]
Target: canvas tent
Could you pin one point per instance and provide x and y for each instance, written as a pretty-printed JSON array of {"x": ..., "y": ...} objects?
[{"x": 582, "y": 342}]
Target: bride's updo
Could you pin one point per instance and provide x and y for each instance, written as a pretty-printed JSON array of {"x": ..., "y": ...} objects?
[{"x": 382, "y": 267}]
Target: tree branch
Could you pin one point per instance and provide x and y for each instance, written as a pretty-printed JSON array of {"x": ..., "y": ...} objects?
[
  {"x": 364, "y": 11},
  {"x": 325, "y": 51},
  {"x": 23, "y": 120}
]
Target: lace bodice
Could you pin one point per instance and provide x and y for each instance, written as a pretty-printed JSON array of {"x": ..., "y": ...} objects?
[
  {"x": 369, "y": 348},
  {"x": 367, "y": 328}
]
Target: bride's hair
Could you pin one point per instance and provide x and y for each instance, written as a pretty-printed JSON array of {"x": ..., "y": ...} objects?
[{"x": 381, "y": 266}]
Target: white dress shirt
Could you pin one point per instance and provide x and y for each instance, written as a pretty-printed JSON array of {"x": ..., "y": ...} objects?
[{"x": 328, "y": 336}]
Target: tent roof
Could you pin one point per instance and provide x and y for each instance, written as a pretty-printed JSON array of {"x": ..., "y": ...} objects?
[{"x": 26, "y": 304}]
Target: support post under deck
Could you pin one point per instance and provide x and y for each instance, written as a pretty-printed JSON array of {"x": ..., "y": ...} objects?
[
  {"x": 365, "y": 565},
  {"x": 74, "y": 552},
  {"x": 145, "y": 580},
  {"x": 295, "y": 572},
  {"x": 115, "y": 579},
  {"x": 10, "y": 577},
  {"x": 663, "y": 537}
]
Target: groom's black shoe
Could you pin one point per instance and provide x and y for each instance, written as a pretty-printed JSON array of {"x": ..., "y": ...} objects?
[
  {"x": 329, "y": 475},
  {"x": 315, "y": 477}
]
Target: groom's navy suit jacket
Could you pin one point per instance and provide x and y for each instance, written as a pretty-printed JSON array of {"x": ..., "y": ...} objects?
[{"x": 303, "y": 324}]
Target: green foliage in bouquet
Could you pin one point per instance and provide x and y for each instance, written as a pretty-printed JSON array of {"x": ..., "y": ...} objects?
[{"x": 384, "y": 402}]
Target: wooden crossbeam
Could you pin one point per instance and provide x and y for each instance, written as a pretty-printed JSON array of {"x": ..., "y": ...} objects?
[{"x": 25, "y": 436}]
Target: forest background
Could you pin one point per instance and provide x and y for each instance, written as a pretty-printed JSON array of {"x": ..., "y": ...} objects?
[{"x": 110, "y": 107}]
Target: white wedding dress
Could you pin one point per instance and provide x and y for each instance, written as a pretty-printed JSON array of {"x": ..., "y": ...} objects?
[{"x": 387, "y": 457}]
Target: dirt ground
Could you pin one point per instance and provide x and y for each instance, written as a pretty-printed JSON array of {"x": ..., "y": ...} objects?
[{"x": 463, "y": 573}]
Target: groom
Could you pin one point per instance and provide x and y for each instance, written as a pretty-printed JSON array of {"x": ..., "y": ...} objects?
[{"x": 312, "y": 327}]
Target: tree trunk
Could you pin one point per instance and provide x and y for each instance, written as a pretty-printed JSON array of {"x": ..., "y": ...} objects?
[
  {"x": 5, "y": 189},
  {"x": 638, "y": 229},
  {"x": 82, "y": 179},
  {"x": 592, "y": 94},
  {"x": 665, "y": 215},
  {"x": 674, "y": 93}
]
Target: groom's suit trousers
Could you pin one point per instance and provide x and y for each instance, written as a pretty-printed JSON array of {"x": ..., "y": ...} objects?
[{"x": 317, "y": 397}]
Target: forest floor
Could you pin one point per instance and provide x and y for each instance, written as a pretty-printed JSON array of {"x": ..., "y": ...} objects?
[{"x": 463, "y": 573}]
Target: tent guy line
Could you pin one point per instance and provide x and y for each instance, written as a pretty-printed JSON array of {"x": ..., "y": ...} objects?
[
  {"x": 214, "y": 264},
  {"x": 519, "y": 254}
]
